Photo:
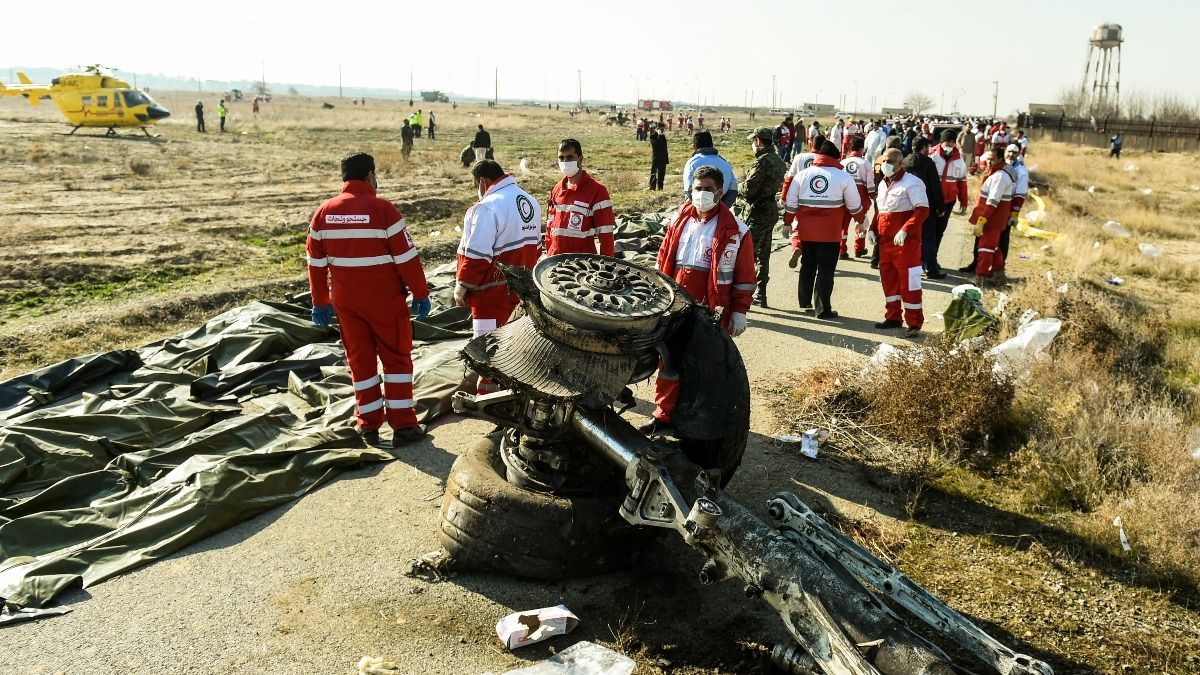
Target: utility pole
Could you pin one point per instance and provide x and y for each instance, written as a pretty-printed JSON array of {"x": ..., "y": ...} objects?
[
  {"x": 339, "y": 80},
  {"x": 773, "y": 103},
  {"x": 410, "y": 87},
  {"x": 496, "y": 91},
  {"x": 995, "y": 97},
  {"x": 579, "y": 81}
]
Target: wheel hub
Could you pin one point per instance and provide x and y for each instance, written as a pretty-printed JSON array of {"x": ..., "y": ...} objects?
[{"x": 602, "y": 293}]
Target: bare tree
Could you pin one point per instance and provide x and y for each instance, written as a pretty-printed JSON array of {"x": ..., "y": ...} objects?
[
  {"x": 1071, "y": 99},
  {"x": 918, "y": 102}
]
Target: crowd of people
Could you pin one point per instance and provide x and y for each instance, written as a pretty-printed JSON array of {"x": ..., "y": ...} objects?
[{"x": 896, "y": 181}]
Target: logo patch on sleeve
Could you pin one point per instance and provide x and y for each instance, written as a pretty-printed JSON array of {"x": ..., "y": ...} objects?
[{"x": 525, "y": 208}]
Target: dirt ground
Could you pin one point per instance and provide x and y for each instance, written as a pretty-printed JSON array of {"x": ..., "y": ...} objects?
[{"x": 92, "y": 261}]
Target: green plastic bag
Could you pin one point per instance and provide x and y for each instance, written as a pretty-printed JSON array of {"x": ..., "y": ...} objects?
[{"x": 966, "y": 318}]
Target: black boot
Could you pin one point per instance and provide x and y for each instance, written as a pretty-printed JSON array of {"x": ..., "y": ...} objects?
[{"x": 760, "y": 298}]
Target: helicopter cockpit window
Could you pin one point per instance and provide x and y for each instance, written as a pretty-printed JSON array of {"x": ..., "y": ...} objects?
[
  {"x": 102, "y": 101},
  {"x": 116, "y": 100},
  {"x": 133, "y": 98}
]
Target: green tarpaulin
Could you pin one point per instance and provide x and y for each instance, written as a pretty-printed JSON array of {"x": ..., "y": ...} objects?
[{"x": 113, "y": 460}]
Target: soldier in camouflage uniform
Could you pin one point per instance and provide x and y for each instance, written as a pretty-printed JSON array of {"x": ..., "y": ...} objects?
[{"x": 760, "y": 190}]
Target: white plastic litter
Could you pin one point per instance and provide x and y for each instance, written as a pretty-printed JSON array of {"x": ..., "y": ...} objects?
[
  {"x": 1150, "y": 251},
  {"x": 373, "y": 665},
  {"x": 971, "y": 290},
  {"x": 1095, "y": 244},
  {"x": 524, "y": 165},
  {"x": 581, "y": 658},
  {"x": 884, "y": 354},
  {"x": 458, "y": 228},
  {"x": 1116, "y": 229},
  {"x": 1014, "y": 355},
  {"x": 1147, "y": 191},
  {"x": 1027, "y": 316},
  {"x": 810, "y": 445},
  {"x": 1035, "y": 216},
  {"x": 1064, "y": 288},
  {"x": 1091, "y": 188},
  {"x": 1001, "y": 303},
  {"x": 1049, "y": 276},
  {"x": 1121, "y": 533},
  {"x": 525, "y": 628},
  {"x": 1194, "y": 443},
  {"x": 1114, "y": 280},
  {"x": 435, "y": 233},
  {"x": 1025, "y": 256}
]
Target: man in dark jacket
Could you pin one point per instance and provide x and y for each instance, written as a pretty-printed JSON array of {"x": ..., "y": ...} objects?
[
  {"x": 482, "y": 145},
  {"x": 760, "y": 189},
  {"x": 920, "y": 165},
  {"x": 658, "y": 159}
]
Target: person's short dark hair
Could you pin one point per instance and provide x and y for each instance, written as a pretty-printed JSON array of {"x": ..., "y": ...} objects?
[
  {"x": 572, "y": 144},
  {"x": 920, "y": 144},
  {"x": 829, "y": 150},
  {"x": 710, "y": 172},
  {"x": 405, "y": 122},
  {"x": 487, "y": 168},
  {"x": 998, "y": 154},
  {"x": 481, "y": 127},
  {"x": 357, "y": 166},
  {"x": 818, "y": 140},
  {"x": 702, "y": 139},
  {"x": 857, "y": 144},
  {"x": 894, "y": 142}
]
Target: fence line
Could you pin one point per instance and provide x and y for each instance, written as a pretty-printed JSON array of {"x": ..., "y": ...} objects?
[{"x": 1150, "y": 135}]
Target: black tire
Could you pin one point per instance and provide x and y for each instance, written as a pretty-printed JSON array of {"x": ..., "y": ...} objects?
[{"x": 488, "y": 524}]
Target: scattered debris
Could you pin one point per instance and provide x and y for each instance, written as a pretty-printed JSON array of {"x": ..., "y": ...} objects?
[
  {"x": 525, "y": 628},
  {"x": 429, "y": 567},
  {"x": 1147, "y": 191},
  {"x": 1014, "y": 355},
  {"x": 1131, "y": 167},
  {"x": 1095, "y": 244},
  {"x": 1116, "y": 229},
  {"x": 524, "y": 165},
  {"x": 1121, "y": 533},
  {"x": 1024, "y": 256},
  {"x": 373, "y": 665},
  {"x": 1091, "y": 189},
  {"x": 1027, "y": 316},
  {"x": 1150, "y": 251},
  {"x": 581, "y": 658},
  {"x": 1064, "y": 288},
  {"x": 1194, "y": 443},
  {"x": 1114, "y": 280},
  {"x": 435, "y": 233}
]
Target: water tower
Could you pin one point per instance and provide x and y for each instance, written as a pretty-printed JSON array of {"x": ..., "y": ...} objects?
[{"x": 1104, "y": 54}]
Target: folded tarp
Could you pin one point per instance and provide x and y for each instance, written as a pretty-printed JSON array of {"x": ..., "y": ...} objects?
[{"x": 113, "y": 460}]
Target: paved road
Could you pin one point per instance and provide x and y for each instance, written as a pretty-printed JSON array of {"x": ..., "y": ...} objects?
[{"x": 312, "y": 586}]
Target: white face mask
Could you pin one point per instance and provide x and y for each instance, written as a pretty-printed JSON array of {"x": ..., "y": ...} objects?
[
  {"x": 569, "y": 169},
  {"x": 888, "y": 169},
  {"x": 947, "y": 149},
  {"x": 703, "y": 200}
]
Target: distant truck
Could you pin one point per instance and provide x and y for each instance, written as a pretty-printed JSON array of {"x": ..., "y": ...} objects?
[
  {"x": 434, "y": 97},
  {"x": 650, "y": 104}
]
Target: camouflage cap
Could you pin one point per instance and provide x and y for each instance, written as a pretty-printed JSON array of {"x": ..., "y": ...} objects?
[{"x": 764, "y": 134}]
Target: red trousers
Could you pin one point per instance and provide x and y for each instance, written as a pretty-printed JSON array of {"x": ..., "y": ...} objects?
[
  {"x": 488, "y": 314},
  {"x": 860, "y": 240},
  {"x": 990, "y": 258},
  {"x": 376, "y": 333},
  {"x": 900, "y": 272}
]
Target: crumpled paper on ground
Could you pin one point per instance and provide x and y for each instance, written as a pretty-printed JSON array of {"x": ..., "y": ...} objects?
[{"x": 525, "y": 628}]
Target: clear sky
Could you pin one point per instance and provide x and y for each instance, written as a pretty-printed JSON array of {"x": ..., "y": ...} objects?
[{"x": 724, "y": 50}]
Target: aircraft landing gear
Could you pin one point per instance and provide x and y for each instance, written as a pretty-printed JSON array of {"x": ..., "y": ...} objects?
[
  {"x": 112, "y": 131},
  {"x": 74, "y": 130}
]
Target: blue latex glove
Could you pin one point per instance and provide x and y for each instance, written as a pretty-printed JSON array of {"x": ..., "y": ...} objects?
[
  {"x": 322, "y": 315},
  {"x": 420, "y": 308}
]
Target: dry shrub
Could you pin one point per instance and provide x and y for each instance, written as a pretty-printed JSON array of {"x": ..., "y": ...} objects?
[
  {"x": 140, "y": 167},
  {"x": 942, "y": 396}
]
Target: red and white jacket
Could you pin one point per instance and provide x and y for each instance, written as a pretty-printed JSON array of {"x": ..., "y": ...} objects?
[
  {"x": 953, "y": 173},
  {"x": 862, "y": 173},
  {"x": 800, "y": 162},
  {"x": 688, "y": 259},
  {"x": 579, "y": 215},
  {"x": 995, "y": 198},
  {"x": 822, "y": 196},
  {"x": 360, "y": 242},
  {"x": 503, "y": 227},
  {"x": 1020, "y": 178},
  {"x": 901, "y": 205}
]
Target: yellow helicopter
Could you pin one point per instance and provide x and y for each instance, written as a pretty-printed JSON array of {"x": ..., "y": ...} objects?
[{"x": 93, "y": 99}]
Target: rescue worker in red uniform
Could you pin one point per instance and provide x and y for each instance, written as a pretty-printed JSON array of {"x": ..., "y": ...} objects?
[
  {"x": 990, "y": 218},
  {"x": 580, "y": 209},
  {"x": 800, "y": 162},
  {"x": 358, "y": 244},
  {"x": 864, "y": 178},
  {"x": 710, "y": 253},
  {"x": 901, "y": 209},
  {"x": 822, "y": 197},
  {"x": 503, "y": 227}
]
